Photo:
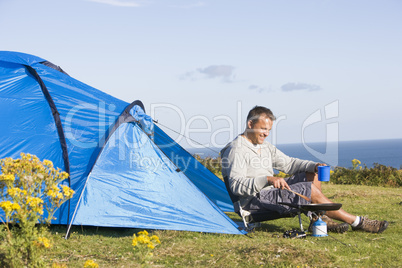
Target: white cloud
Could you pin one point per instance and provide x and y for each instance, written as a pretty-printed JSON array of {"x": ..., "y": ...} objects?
[
  {"x": 218, "y": 71},
  {"x": 260, "y": 89},
  {"x": 120, "y": 3},
  {"x": 299, "y": 86},
  {"x": 224, "y": 72}
]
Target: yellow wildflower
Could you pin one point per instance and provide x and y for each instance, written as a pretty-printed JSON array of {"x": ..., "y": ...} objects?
[
  {"x": 143, "y": 232},
  {"x": 67, "y": 191},
  {"x": 141, "y": 239},
  {"x": 64, "y": 175},
  {"x": 43, "y": 242},
  {"x": 155, "y": 239},
  {"x": 51, "y": 193},
  {"x": 144, "y": 239},
  {"x": 135, "y": 243},
  {"x": 34, "y": 201},
  {"x": 36, "y": 204},
  {"x": 90, "y": 264},
  {"x": 48, "y": 163},
  {"x": 15, "y": 207},
  {"x": 8, "y": 206},
  {"x": 13, "y": 192},
  {"x": 6, "y": 178},
  {"x": 38, "y": 210},
  {"x": 39, "y": 167},
  {"x": 147, "y": 240},
  {"x": 55, "y": 188},
  {"x": 59, "y": 265},
  {"x": 355, "y": 163}
]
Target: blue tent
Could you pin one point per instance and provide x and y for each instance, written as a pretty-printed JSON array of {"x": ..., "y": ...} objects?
[{"x": 125, "y": 170}]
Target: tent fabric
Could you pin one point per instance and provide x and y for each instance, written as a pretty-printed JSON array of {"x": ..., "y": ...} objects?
[
  {"x": 137, "y": 200},
  {"x": 19, "y": 58},
  {"x": 84, "y": 111},
  {"x": 202, "y": 177},
  {"x": 145, "y": 120},
  {"x": 90, "y": 124}
]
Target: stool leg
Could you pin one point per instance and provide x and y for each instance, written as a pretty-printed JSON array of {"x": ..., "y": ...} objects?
[{"x": 300, "y": 221}]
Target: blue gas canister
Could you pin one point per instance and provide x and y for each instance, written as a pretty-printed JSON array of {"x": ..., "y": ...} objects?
[{"x": 319, "y": 228}]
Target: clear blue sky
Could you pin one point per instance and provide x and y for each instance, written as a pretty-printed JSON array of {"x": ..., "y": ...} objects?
[{"x": 204, "y": 64}]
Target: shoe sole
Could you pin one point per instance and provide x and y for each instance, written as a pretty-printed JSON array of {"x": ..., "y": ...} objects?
[{"x": 339, "y": 228}]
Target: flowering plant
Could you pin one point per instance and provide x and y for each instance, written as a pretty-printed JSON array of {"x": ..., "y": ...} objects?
[
  {"x": 144, "y": 239},
  {"x": 91, "y": 264},
  {"x": 28, "y": 188},
  {"x": 143, "y": 244},
  {"x": 356, "y": 163}
]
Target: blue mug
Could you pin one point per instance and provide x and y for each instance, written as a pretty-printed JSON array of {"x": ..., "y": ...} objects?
[{"x": 323, "y": 173}]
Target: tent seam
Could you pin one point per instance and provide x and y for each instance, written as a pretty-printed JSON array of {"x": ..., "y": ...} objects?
[{"x": 57, "y": 121}]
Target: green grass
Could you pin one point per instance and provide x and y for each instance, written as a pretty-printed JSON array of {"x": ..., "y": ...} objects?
[{"x": 263, "y": 248}]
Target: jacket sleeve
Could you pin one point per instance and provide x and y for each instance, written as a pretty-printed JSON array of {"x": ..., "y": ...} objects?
[
  {"x": 234, "y": 166},
  {"x": 290, "y": 165}
]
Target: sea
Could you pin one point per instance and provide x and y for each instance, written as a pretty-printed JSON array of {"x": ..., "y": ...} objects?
[{"x": 369, "y": 152}]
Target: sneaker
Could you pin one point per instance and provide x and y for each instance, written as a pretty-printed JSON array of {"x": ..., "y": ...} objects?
[
  {"x": 372, "y": 226},
  {"x": 332, "y": 226}
]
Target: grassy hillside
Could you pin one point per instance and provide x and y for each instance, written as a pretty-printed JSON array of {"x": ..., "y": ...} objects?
[{"x": 263, "y": 248}]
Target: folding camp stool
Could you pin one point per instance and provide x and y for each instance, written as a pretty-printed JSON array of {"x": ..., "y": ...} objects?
[{"x": 253, "y": 218}]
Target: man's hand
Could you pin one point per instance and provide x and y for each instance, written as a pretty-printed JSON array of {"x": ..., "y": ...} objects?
[
  {"x": 278, "y": 182},
  {"x": 317, "y": 165}
]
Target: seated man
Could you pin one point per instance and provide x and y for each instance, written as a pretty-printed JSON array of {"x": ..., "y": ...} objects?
[{"x": 248, "y": 162}]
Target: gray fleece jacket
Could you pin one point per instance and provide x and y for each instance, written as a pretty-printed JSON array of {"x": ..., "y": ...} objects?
[{"x": 247, "y": 166}]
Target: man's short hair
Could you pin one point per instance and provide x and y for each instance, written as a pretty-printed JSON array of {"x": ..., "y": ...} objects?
[{"x": 257, "y": 111}]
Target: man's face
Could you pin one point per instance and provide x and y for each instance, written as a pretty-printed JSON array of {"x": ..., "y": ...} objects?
[{"x": 258, "y": 131}]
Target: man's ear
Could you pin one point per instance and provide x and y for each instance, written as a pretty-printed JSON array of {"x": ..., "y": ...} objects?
[{"x": 250, "y": 124}]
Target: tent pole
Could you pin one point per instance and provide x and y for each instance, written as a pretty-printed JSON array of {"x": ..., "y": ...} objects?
[
  {"x": 59, "y": 126},
  {"x": 75, "y": 210}
]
